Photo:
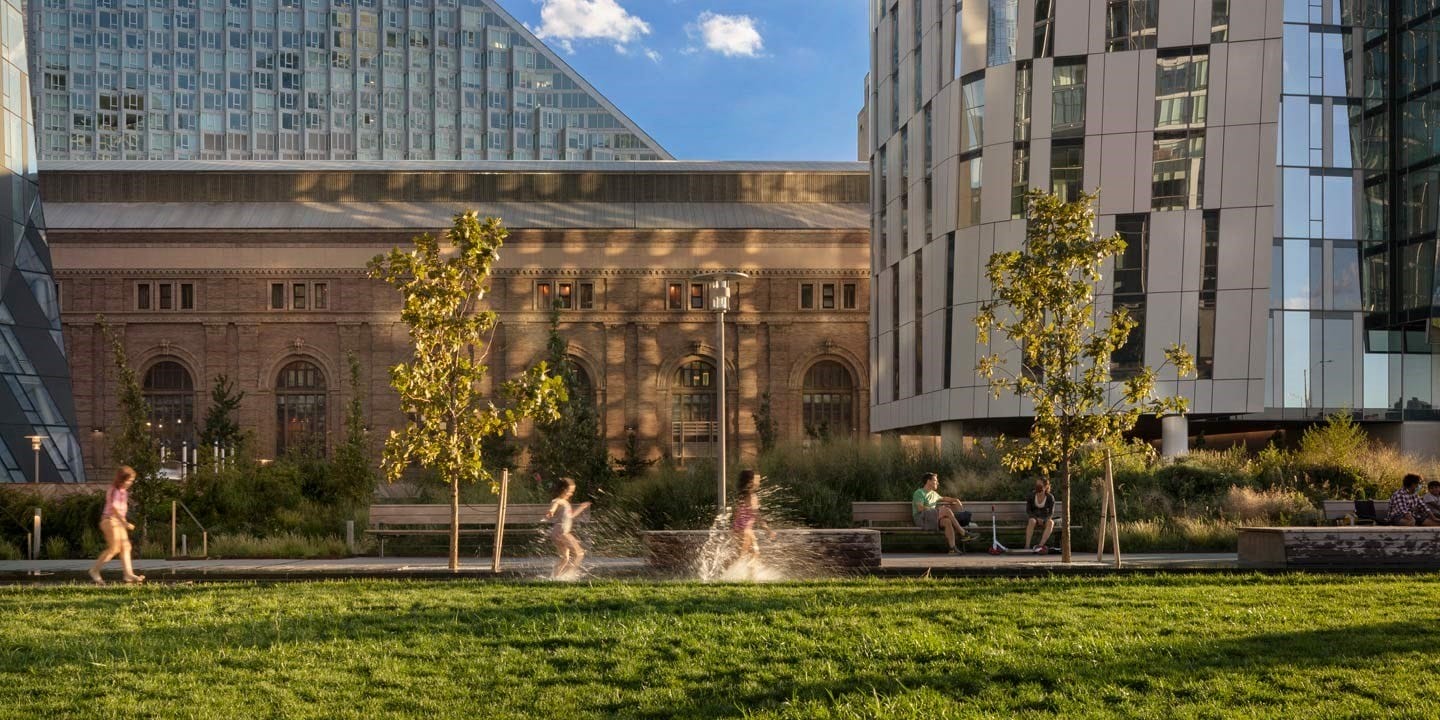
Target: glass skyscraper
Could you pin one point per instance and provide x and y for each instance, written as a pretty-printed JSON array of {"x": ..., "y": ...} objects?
[
  {"x": 1273, "y": 166},
  {"x": 312, "y": 79},
  {"x": 35, "y": 400}
]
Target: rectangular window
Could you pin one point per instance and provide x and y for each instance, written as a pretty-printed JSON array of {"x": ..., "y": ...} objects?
[
  {"x": 1129, "y": 289},
  {"x": 187, "y": 296},
  {"x": 167, "y": 296},
  {"x": 697, "y": 296},
  {"x": 807, "y": 296},
  {"x": 972, "y": 133},
  {"x": 277, "y": 296},
  {"x": 1130, "y": 24},
  {"x": 675, "y": 296},
  {"x": 827, "y": 296},
  {"x": 1178, "y": 176},
  {"x": 1209, "y": 281},
  {"x": 544, "y": 295},
  {"x": 1130, "y": 263},
  {"x": 847, "y": 296},
  {"x": 949, "y": 307},
  {"x": 969, "y": 201},
  {"x": 297, "y": 296},
  {"x": 142, "y": 296},
  {"x": 321, "y": 296},
  {"x": 1000, "y": 32},
  {"x": 1044, "y": 29},
  {"x": 587, "y": 296},
  {"x": 1019, "y": 180},
  {"x": 1067, "y": 91},
  {"x": 565, "y": 294},
  {"x": 895, "y": 333},
  {"x": 1220, "y": 21},
  {"x": 1023, "y": 79},
  {"x": 919, "y": 323},
  {"x": 1067, "y": 173},
  {"x": 1181, "y": 83}
]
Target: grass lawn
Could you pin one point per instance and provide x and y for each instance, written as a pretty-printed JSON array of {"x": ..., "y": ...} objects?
[{"x": 1166, "y": 647}]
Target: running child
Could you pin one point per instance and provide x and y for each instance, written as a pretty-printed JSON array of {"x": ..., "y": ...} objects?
[
  {"x": 744, "y": 519},
  {"x": 561, "y": 516}
]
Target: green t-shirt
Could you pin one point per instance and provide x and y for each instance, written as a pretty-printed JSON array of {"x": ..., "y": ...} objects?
[{"x": 925, "y": 498}]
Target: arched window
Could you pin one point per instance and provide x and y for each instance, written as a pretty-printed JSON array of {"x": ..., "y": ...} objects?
[
  {"x": 170, "y": 393},
  {"x": 582, "y": 385},
  {"x": 829, "y": 400},
  {"x": 693, "y": 430},
  {"x": 300, "y": 409}
]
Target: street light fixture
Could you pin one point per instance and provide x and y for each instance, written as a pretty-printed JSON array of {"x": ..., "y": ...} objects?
[
  {"x": 35, "y": 442},
  {"x": 719, "y": 303}
]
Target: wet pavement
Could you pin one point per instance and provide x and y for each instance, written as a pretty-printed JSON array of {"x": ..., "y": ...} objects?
[{"x": 971, "y": 564}]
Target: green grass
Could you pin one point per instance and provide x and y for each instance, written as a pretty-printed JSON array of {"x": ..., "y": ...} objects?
[{"x": 1160, "y": 647}]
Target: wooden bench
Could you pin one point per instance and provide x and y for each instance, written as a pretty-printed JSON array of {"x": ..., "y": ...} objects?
[
  {"x": 892, "y": 516},
  {"x": 1344, "y": 512},
  {"x": 402, "y": 520}
]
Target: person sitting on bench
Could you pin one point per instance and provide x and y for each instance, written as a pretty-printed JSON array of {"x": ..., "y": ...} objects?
[
  {"x": 1040, "y": 513},
  {"x": 1405, "y": 507},
  {"x": 1431, "y": 502},
  {"x": 933, "y": 511}
]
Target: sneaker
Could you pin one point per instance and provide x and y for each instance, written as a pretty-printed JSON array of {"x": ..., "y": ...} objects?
[
  {"x": 1038, "y": 549},
  {"x": 954, "y": 550},
  {"x": 1042, "y": 550}
]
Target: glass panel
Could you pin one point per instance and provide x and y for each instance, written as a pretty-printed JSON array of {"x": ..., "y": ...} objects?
[
  {"x": 827, "y": 297},
  {"x": 973, "y": 133},
  {"x": 277, "y": 296},
  {"x": 674, "y": 296},
  {"x": 1068, "y": 99},
  {"x": 142, "y": 296},
  {"x": 322, "y": 296},
  {"x": 807, "y": 296},
  {"x": 587, "y": 296},
  {"x": 1067, "y": 173},
  {"x": 167, "y": 296},
  {"x": 187, "y": 296},
  {"x": 1000, "y": 32},
  {"x": 1178, "y": 175},
  {"x": 297, "y": 296},
  {"x": 565, "y": 295}
]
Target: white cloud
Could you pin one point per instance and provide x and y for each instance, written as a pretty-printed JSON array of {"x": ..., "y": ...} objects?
[
  {"x": 564, "y": 21},
  {"x": 653, "y": 55},
  {"x": 730, "y": 35}
]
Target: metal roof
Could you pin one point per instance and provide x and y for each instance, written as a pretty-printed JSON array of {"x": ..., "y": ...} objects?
[
  {"x": 476, "y": 166},
  {"x": 434, "y": 216}
]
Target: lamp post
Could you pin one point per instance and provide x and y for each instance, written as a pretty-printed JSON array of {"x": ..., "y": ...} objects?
[
  {"x": 719, "y": 303},
  {"x": 35, "y": 442},
  {"x": 1306, "y": 377}
]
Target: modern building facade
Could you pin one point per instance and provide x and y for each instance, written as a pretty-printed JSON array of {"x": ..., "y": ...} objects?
[
  {"x": 37, "y": 413},
  {"x": 257, "y": 271},
  {"x": 304, "y": 79},
  {"x": 1269, "y": 163}
]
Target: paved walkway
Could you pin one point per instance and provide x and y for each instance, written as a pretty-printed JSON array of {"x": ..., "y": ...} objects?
[{"x": 894, "y": 565}]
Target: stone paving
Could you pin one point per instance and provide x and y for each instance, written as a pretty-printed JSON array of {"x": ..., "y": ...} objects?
[{"x": 893, "y": 565}]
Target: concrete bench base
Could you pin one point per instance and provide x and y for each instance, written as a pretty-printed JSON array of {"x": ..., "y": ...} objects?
[
  {"x": 795, "y": 552},
  {"x": 1344, "y": 547}
]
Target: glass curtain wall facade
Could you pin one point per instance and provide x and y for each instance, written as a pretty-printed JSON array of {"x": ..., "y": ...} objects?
[
  {"x": 1170, "y": 107},
  {"x": 36, "y": 400},
  {"x": 312, "y": 79}
]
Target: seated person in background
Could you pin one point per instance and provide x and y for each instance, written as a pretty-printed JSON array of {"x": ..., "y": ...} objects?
[
  {"x": 1405, "y": 507},
  {"x": 1430, "y": 501},
  {"x": 1040, "y": 511},
  {"x": 933, "y": 511}
]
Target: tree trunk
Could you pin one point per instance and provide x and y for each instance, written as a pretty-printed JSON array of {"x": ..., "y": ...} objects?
[
  {"x": 1065, "y": 534},
  {"x": 455, "y": 525}
]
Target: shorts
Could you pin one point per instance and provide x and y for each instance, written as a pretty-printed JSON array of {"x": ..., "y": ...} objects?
[
  {"x": 930, "y": 519},
  {"x": 1042, "y": 518}
]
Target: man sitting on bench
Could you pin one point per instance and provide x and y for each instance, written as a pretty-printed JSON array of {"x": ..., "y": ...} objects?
[
  {"x": 1405, "y": 506},
  {"x": 933, "y": 511}
]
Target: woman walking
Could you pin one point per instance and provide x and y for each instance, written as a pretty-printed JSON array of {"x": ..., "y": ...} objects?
[{"x": 115, "y": 528}]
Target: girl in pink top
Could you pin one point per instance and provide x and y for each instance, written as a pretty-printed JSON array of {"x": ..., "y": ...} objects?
[
  {"x": 115, "y": 528},
  {"x": 568, "y": 552},
  {"x": 744, "y": 519}
]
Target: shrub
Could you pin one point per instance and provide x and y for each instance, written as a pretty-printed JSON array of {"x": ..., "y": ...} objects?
[
  {"x": 279, "y": 545},
  {"x": 57, "y": 548},
  {"x": 1272, "y": 506},
  {"x": 10, "y": 552}
]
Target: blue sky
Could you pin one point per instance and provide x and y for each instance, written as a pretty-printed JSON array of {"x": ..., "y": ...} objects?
[{"x": 720, "y": 79}]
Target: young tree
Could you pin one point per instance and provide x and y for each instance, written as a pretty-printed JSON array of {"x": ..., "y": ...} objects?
[
  {"x": 447, "y": 418},
  {"x": 570, "y": 445},
  {"x": 352, "y": 472},
  {"x": 220, "y": 426},
  {"x": 632, "y": 464},
  {"x": 1043, "y": 302},
  {"x": 134, "y": 444},
  {"x": 765, "y": 424}
]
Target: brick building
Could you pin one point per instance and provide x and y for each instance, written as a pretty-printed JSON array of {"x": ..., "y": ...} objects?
[{"x": 256, "y": 271}]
